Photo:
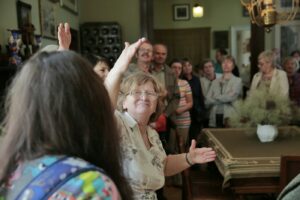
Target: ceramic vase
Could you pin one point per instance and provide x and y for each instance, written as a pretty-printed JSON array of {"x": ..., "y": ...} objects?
[{"x": 267, "y": 133}]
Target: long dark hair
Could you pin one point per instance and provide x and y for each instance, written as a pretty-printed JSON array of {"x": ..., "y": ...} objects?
[{"x": 57, "y": 105}]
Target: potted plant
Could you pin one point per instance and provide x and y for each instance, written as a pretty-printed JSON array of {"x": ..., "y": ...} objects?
[{"x": 265, "y": 111}]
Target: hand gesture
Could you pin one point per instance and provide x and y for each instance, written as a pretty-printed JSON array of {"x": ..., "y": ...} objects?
[
  {"x": 200, "y": 155},
  {"x": 127, "y": 54},
  {"x": 64, "y": 36}
]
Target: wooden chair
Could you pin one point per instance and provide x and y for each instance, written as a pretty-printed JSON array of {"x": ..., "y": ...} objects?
[{"x": 289, "y": 168}]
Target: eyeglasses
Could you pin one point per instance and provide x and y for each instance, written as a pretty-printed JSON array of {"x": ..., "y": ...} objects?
[{"x": 138, "y": 94}]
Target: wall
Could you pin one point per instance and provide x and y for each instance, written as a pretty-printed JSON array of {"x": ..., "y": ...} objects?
[
  {"x": 8, "y": 18},
  {"x": 219, "y": 15},
  {"x": 126, "y": 13}
]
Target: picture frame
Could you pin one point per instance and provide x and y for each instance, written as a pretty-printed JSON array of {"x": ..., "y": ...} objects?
[
  {"x": 220, "y": 39},
  {"x": 23, "y": 14},
  {"x": 70, "y": 5},
  {"x": 47, "y": 19},
  {"x": 181, "y": 12}
]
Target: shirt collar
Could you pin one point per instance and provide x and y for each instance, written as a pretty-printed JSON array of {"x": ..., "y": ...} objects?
[{"x": 130, "y": 120}]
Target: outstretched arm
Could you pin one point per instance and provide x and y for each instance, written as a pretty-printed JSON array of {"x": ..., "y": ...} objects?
[
  {"x": 64, "y": 36},
  {"x": 114, "y": 77},
  {"x": 177, "y": 163}
]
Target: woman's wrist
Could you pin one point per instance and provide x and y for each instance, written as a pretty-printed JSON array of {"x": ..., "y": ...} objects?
[{"x": 187, "y": 160}]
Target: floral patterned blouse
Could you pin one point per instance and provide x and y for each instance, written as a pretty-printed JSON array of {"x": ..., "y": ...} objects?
[
  {"x": 86, "y": 185},
  {"x": 143, "y": 168}
]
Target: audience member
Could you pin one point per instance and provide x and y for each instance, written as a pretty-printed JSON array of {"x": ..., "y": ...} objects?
[
  {"x": 197, "y": 112},
  {"x": 208, "y": 75},
  {"x": 290, "y": 67},
  {"x": 144, "y": 56},
  {"x": 268, "y": 77},
  {"x": 220, "y": 54},
  {"x": 183, "y": 118},
  {"x": 296, "y": 55},
  {"x": 223, "y": 92},
  {"x": 100, "y": 64},
  {"x": 144, "y": 160},
  {"x": 59, "y": 118},
  {"x": 206, "y": 80},
  {"x": 167, "y": 79}
]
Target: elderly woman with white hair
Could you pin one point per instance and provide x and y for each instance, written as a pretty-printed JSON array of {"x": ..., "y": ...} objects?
[
  {"x": 273, "y": 80},
  {"x": 290, "y": 66}
]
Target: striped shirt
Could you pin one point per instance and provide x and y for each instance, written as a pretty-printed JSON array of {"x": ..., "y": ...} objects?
[{"x": 183, "y": 120}]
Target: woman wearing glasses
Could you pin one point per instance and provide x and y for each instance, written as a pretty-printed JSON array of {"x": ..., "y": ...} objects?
[
  {"x": 145, "y": 163},
  {"x": 269, "y": 78}
]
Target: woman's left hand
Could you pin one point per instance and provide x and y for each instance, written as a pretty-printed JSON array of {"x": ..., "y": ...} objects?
[{"x": 200, "y": 155}]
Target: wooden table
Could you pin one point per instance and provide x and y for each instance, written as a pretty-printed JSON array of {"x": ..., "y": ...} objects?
[{"x": 247, "y": 165}]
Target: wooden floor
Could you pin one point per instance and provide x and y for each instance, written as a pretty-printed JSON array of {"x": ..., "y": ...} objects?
[{"x": 208, "y": 187}]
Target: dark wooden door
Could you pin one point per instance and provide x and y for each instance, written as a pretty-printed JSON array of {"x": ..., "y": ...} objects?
[{"x": 193, "y": 43}]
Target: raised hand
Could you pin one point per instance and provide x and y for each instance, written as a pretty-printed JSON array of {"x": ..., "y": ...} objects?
[
  {"x": 64, "y": 36},
  {"x": 114, "y": 77},
  {"x": 200, "y": 155},
  {"x": 128, "y": 52}
]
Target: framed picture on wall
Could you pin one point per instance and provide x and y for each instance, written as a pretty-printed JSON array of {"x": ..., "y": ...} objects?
[
  {"x": 23, "y": 14},
  {"x": 220, "y": 39},
  {"x": 181, "y": 12},
  {"x": 71, "y": 5},
  {"x": 47, "y": 19}
]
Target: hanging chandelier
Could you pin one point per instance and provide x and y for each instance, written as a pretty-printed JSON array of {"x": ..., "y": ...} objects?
[{"x": 263, "y": 12}]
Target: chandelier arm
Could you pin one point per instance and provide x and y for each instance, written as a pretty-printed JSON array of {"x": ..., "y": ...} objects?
[
  {"x": 294, "y": 11},
  {"x": 263, "y": 13},
  {"x": 295, "y": 8},
  {"x": 259, "y": 6},
  {"x": 243, "y": 3},
  {"x": 259, "y": 9},
  {"x": 253, "y": 17}
]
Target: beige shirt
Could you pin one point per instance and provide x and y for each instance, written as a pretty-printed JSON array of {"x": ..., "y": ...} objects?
[
  {"x": 160, "y": 77},
  {"x": 205, "y": 85},
  {"x": 143, "y": 168},
  {"x": 279, "y": 83},
  {"x": 225, "y": 94}
]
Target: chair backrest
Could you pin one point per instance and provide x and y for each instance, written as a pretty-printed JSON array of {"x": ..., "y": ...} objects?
[{"x": 289, "y": 169}]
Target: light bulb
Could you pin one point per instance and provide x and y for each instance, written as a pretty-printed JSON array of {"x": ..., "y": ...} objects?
[{"x": 198, "y": 11}]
